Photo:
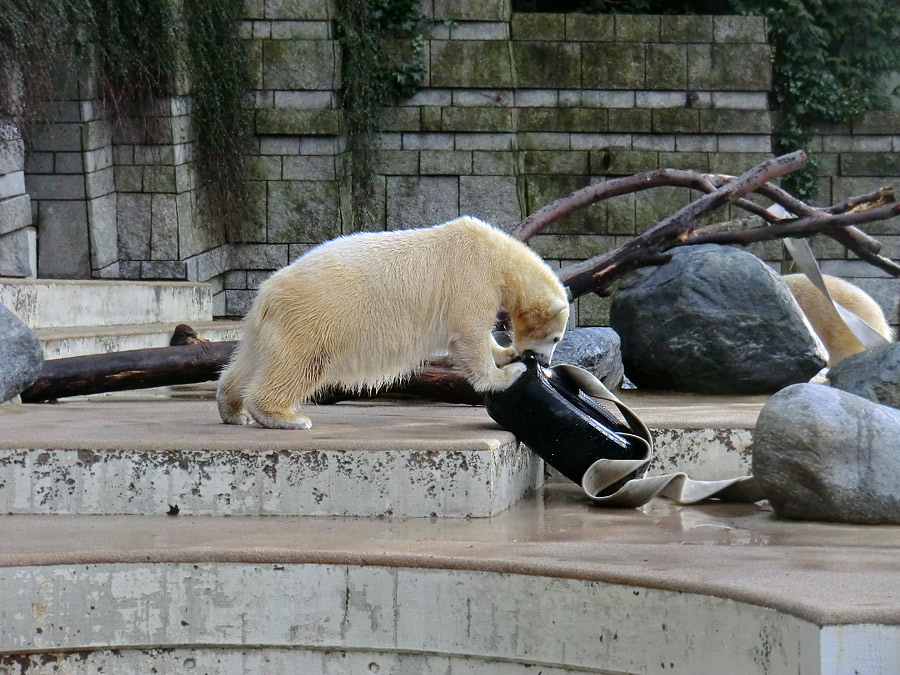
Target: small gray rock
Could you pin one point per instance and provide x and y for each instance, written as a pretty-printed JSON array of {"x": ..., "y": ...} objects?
[
  {"x": 873, "y": 374},
  {"x": 597, "y": 350},
  {"x": 21, "y": 357},
  {"x": 820, "y": 453},
  {"x": 713, "y": 320}
]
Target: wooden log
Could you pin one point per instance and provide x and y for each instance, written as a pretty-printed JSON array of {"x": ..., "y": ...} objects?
[
  {"x": 133, "y": 369},
  {"x": 436, "y": 383},
  {"x": 203, "y": 362}
]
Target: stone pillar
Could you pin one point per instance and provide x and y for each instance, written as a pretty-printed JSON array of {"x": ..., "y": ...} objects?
[
  {"x": 69, "y": 177},
  {"x": 158, "y": 225},
  {"x": 18, "y": 250}
]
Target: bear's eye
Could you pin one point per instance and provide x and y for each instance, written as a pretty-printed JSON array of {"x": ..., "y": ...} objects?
[{"x": 557, "y": 339}]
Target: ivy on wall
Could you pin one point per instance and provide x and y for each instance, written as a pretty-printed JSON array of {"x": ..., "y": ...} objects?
[
  {"x": 382, "y": 59},
  {"x": 830, "y": 58},
  {"x": 221, "y": 82},
  {"x": 140, "y": 48}
]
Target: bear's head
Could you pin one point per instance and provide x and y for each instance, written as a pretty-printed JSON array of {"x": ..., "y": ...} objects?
[{"x": 538, "y": 329}]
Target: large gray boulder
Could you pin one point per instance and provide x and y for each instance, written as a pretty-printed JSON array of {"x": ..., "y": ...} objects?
[
  {"x": 820, "y": 453},
  {"x": 873, "y": 374},
  {"x": 21, "y": 357},
  {"x": 713, "y": 320},
  {"x": 594, "y": 349}
]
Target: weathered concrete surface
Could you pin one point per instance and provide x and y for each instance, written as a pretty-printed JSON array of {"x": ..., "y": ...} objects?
[
  {"x": 138, "y": 452},
  {"x": 554, "y": 582},
  {"x": 360, "y": 459},
  {"x": 63, "y": 342},
  {"x": 49, "y": 303}
]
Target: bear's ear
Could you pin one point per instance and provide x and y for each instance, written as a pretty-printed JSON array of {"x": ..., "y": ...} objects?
[{"x": 558, "y": 306}]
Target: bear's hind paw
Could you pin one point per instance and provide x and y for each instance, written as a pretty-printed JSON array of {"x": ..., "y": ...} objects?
[
  {"x": 241, "y": 418},
  {"x": 276, "y": 421}
]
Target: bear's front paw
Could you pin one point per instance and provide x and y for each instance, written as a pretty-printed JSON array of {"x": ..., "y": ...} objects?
[
  {"x": 504, "y": 355},
  {"x": 510, "y": 374}
]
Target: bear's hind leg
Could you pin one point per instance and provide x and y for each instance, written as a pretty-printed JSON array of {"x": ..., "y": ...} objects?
[
  {"x": 229, "y": 396},
  {"x": 282, "y": 384}
]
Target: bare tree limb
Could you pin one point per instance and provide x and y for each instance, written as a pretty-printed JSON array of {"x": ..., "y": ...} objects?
[
  {"x": 597, "y": 273},
  {"x": 795, "y": 227}
]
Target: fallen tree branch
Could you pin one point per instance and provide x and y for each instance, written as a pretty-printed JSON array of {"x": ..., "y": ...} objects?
[{"x": 203, "y": 361}]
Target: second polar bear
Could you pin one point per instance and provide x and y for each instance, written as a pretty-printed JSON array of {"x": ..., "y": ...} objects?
[
  {"x": 825, "y": 320},
  {"x": 365, "y": 310}
]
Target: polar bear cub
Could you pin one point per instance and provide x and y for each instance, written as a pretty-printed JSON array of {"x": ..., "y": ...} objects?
[
  {"x": 365, "y": 310},
  {"x": 829, "y": 326}
]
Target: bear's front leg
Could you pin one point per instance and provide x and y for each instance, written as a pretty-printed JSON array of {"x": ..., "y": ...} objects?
[
  {"x": 473, "y": 354},
  {"x": 502, "y": 355}
]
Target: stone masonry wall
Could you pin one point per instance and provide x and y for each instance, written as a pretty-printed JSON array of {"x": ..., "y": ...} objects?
[
  {"x": 515, "y": 110},
  {"x": 854, "y": 159},
  {"x": 18, "y": 241}
]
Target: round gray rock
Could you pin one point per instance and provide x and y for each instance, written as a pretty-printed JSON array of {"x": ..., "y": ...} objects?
[
  {"x": 713, "y": 320},
  {"x": 21, "y": 357},
  {"x": 597, "y": 350},
  {"x": 873, "y": 374},
  {"x": 820, "y": 453}
]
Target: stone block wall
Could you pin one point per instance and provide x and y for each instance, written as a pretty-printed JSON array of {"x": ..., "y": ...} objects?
[
  {"x": 69, "y": 177},
  {"x": 18, "y": 241},
  {"x": 515, "y": 111},
  {"x": 854, "y": 159}
]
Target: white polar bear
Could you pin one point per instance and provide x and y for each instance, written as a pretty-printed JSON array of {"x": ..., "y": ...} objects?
[
  {"x": 825, "y": 320},
  {"x": 362, "y": 311}
]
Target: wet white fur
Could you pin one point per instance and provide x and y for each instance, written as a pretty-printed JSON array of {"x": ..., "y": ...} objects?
[
  {"x": 835, "y": 335},
  {"x": 362, "y": 311}
]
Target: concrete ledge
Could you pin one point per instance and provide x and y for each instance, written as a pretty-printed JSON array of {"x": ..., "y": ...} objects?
[
  {"x": 139, "y": 457},
  {"x": 65, "y": 342},
  {"x": 50, "y": 303}
]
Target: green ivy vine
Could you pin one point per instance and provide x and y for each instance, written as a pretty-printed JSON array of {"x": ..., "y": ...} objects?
[
  {"x": 381, "y": 44},
  {"x": 140, "y": 48},
  {"x": 221, "y": 116}
]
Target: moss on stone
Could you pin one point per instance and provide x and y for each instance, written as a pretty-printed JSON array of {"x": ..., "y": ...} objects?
[
  {"x": 476, "y": 119},
  {"x": 476, "y": 64},
  {"x": 547, "y": 64},
  {"x": 590, "y": 27},
  {"x": 629, "y": 120},
  {"x": 612, "y": 65},
  {"x": 293, "y": 121},
  {"x": 666, "y": 66},
  {"x": 527, "y": 26},
  {"x": 676, "y": 120}
]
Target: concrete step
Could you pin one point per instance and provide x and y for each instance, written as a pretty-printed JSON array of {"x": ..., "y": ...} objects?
[
  {"x": 54, "y": 303},
  {"x": 69, "y": 341},
  {"x": 554, "y": 585},
  {"x": 359, "y": 459},
  {"x": 139, "y": 452}
]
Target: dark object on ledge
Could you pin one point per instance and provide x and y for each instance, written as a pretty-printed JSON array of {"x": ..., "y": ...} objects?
[{"x": 549, "y": 413}]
